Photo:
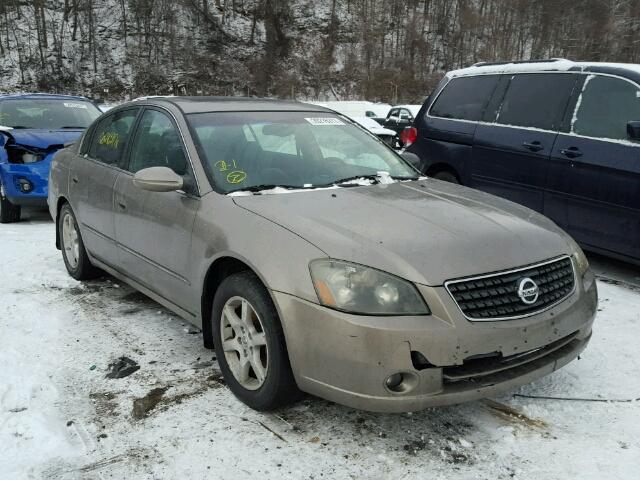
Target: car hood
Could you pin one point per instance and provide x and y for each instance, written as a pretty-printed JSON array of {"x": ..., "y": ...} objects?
[
  {"x": 41, "y": 138},
  {"x": 426, "y": 231}
]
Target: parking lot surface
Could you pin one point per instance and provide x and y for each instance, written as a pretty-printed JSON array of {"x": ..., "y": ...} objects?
[{"x": 61, "y": 418}]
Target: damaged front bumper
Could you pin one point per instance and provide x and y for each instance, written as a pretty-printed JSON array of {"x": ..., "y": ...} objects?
[
  {"x": 26, "y": 183},
  {"x": 400, "y": 364}
]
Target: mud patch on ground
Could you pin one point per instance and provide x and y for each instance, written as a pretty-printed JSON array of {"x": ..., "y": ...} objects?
[
  {"x": 157, "y": 400},
  {"x": 105, "y": 403},
  {"x": 142, "y": 406}
]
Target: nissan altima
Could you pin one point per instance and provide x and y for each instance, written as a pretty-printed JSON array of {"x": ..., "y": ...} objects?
[{"x": 316, "y": 259}]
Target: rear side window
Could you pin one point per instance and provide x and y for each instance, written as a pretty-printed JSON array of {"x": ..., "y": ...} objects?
[
  {"x": 604, "y": 108},
  {"x": 464, "y": 98},
  {"x": 536, "y": 100},
  {"x": 110, "y": 137}
]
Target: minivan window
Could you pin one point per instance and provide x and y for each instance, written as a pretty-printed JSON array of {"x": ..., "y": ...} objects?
[
  {"x": 111, "y": 135},
  {"x": 605, "y": 106},
  {"x": 536, "y": 100},
  {"x": 464, "y": 98},
  {"x": 157, "y": 144}
]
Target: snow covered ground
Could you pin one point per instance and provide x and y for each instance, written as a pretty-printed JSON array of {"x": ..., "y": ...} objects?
[{"x": 60, "y": 418}]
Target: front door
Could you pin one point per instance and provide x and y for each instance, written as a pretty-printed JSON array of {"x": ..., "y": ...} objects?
[
  {"x": 594, "y": 177},
  {"x": 153, "y": 229},
  {"x": 92, "y": 178},
  {"x": 511, "y": 153}
]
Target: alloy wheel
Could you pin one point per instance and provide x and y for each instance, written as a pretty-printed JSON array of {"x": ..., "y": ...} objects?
[
  {"x": 244, "y": 343},
  {"x": 70, "y": 240}
]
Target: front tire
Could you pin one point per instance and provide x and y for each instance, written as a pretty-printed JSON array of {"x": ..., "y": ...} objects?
[
  {"x": 9, "y": 212},
  {"x": 73, "y": 252},
  {"x": 446, "y": 176},
  {"x": 250, "y": 344}
]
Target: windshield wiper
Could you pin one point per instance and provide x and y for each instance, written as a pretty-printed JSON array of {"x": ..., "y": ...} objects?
[
  {"x": 16, "y": 127},
  {"x": 268, "y": 186},
  {"x": 72, "y": 128}
]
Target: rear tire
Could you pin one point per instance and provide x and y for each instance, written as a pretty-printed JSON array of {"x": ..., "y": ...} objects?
[
  {"x": 446, "y": 176},
  {"x": 255, "y": 364},
  {"x": 9, "y": 212},
  {"x": 73, "y": 252}
]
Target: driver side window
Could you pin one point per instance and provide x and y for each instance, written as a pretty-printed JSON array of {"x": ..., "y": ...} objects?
[{"x": 157, "y": 144}]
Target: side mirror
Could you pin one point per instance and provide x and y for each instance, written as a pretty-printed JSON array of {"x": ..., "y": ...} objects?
[
  {"x": 158, "y": 179},
  {"x": 633, "y": 130}
]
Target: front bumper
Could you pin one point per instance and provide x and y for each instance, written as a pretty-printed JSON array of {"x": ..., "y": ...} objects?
[
  {"x": 347, "y": 358},
  {"x": 37, "y": 174}
]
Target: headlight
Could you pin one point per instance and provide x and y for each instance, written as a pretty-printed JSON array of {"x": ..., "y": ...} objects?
[
  {"x": 578, "y": 256},
  {"x": 359, "y": 289},
  {"x": 580, "y": 259},
  {"x": 31, "y": 157}
]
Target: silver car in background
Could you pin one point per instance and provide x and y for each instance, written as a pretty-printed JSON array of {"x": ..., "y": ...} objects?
[{"x": 314, "y": 258}]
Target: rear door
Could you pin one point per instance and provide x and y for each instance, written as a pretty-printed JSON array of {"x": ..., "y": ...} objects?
[
  {"x": 511, "y": 151},
  {"x": 92, "y": 178},
  {"x": 153, "y": 229},
  {"x": 594, "y": 176},
  {"x": 447, "y": 130}
]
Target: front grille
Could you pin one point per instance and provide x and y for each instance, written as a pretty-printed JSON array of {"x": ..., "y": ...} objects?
[{"x": 495, "y": 296}]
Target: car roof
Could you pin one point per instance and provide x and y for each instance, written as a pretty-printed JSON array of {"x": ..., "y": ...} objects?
[
  {"x": 39, "y": 96},
  {"x": 549, "y": 65},
  {"x": 232, "y": 104}
]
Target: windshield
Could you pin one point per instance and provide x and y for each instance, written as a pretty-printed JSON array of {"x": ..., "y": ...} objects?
[
  {"x": 51, "y": 114},
  {"x": 245, "y": 150}
]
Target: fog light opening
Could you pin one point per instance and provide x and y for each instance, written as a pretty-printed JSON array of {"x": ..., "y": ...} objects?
[
  {"x": 401, "y": 382},
  {"x": 25, "y": 185}
]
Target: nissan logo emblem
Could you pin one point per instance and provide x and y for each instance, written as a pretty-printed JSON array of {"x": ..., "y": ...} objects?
[{"x": 528, "y": 291}]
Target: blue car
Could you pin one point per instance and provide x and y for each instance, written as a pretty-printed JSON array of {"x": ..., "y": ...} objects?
[
  {"x": 33, "y": 128},
  {"x": 560, "y": 137}
]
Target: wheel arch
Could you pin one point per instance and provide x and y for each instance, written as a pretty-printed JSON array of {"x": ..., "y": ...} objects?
[
  {"x": 220, "y": 268},
  {"x": 61, "y": 201},
  {"x": 442, "y": 167}
]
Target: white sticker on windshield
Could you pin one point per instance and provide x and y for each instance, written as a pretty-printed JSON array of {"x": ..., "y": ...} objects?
[
  {"x": 324, "y": 121},
  {"x": 75, "y": 105}
]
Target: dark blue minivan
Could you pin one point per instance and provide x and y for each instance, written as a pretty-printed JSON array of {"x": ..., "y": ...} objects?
[{"x": 560, "y": 137}]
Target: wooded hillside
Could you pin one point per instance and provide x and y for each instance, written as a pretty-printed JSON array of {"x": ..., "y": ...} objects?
[{"x": 390, "y": 50}]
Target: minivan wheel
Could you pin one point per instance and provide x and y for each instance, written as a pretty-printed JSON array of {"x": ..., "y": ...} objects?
[
  {"x": 9, "y": 212},
  {"x": 446, "y": 176},
  {"x": 250, "y": 344},
  {"x": 73, "y": 252}
]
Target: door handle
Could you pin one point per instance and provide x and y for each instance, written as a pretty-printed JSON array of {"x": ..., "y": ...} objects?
[
  {"x": 534, "y": 146},
  {"x": 122, "y": 206},
  {"x": 571, "y": 152},
  {"x": 74, "y": 179}
]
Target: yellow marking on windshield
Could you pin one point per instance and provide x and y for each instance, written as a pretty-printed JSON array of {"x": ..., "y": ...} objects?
[
  {"x": 237, "y": 176},
  {"x": 223, "y": 166}
]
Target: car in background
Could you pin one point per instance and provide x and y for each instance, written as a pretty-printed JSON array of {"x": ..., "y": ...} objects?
[
  {"x": 560, "y": 137},
  {"x": 33, "y": 127},
  {"x": 387, "y": 136},
  {"x": 356, "y": 108},
  {"x": 314, "y": 258},
  {"x": 399, "y": 118}
]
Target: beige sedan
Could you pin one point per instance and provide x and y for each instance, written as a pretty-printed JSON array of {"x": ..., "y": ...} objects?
[{"x": 315, "y": 259}]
